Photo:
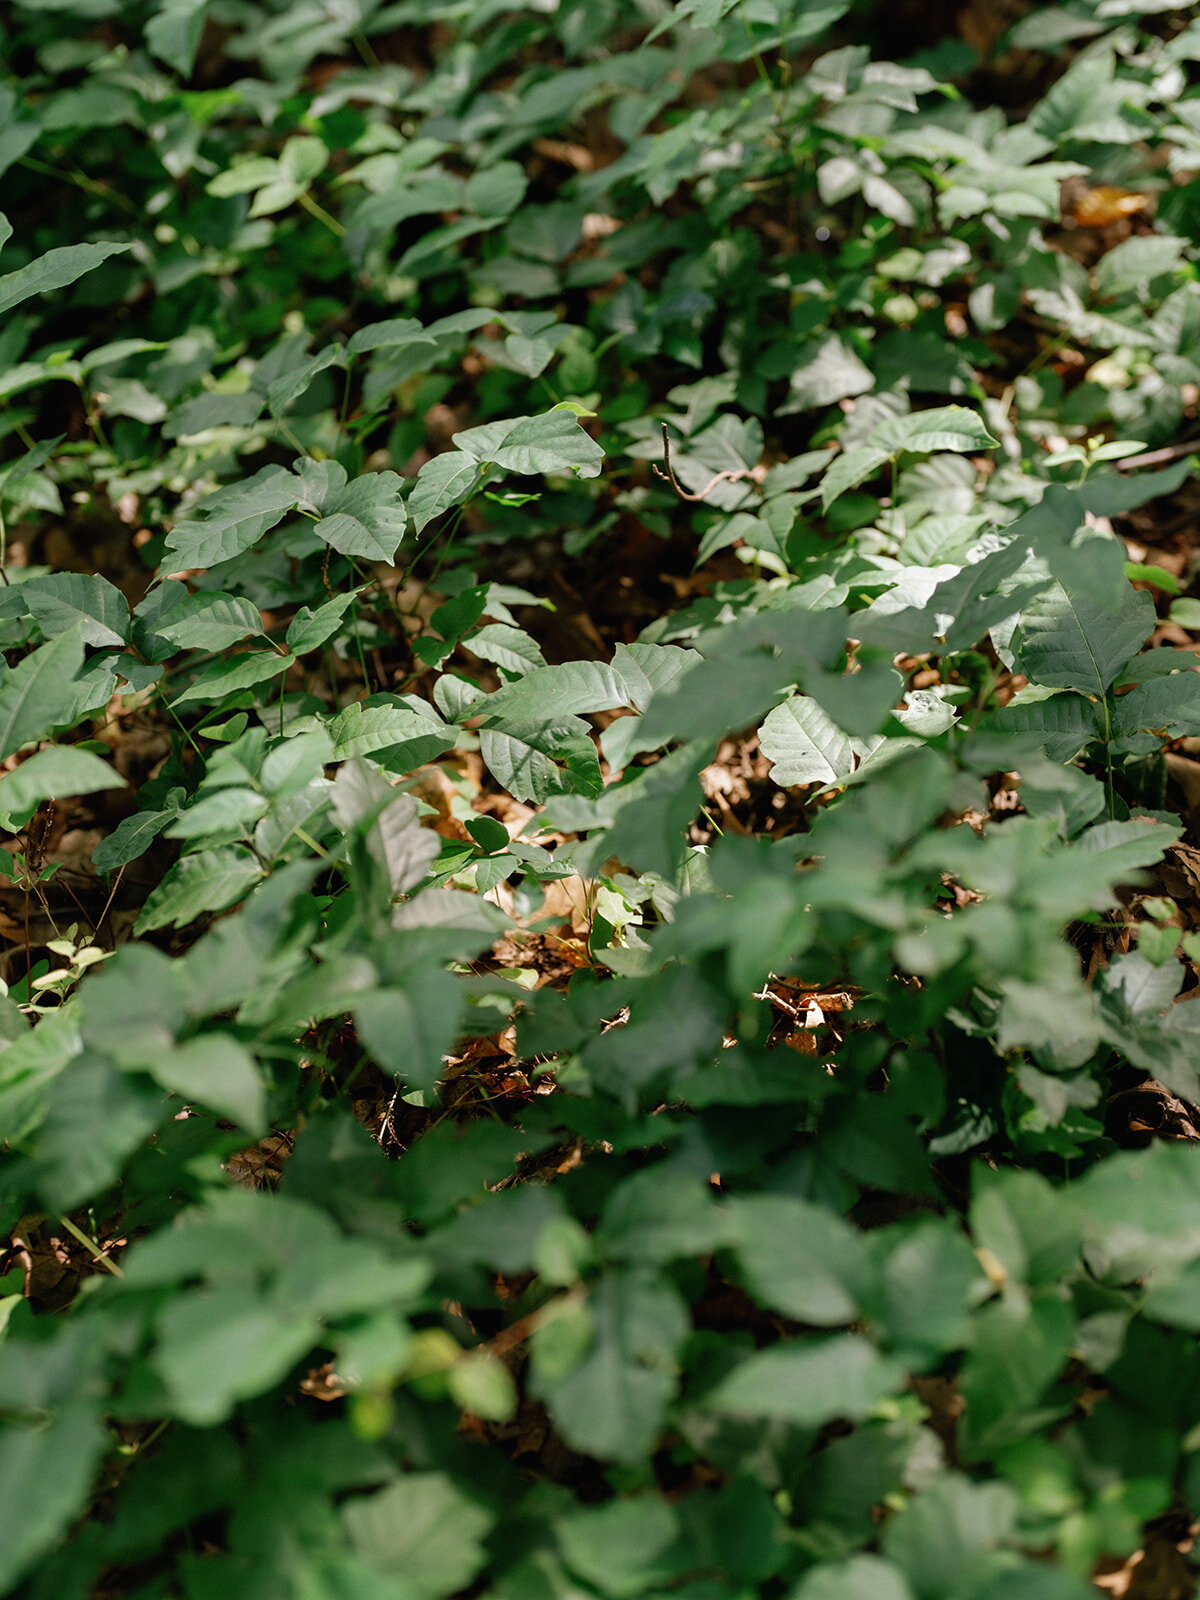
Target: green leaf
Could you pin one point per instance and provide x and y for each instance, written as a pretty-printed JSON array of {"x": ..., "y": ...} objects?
[
  {"x": 65, "y": 600},
  {"x": 134, "y": 1007},
  {"x": 46, "y": 1471},
  {"x": 747, "y": 667},
  {"x": 250, "y": 668},
  {"x": 1122, "y": 847},
  {"x": 403, "y": 733},
  {"x": 304, "y": 157},
  {"x": 805, "y": 745},
  {"x": 410, "y": 1029},
  {"x": 423, "y": 1528},
  {"x": 443, "y": 482},
  {"x": 39, "y": 693},
  {"x": 226, "y": 1345},
  {"x": 943, "y": 1538},
  {"x": 848, "y": 470},
  {"x": 366, "y": 518},
  {"x": 481, "y": 1384},
  {"x": 1063, "y": 724},
  {"x": 209, "y": 622},
  {"x": 809, "y": 1382},
  {"x": 552, "y": 443},
  {"x": 207, "y": 881},
  {"x": 400, "y": 845},
  {"x": 534, "y": 760},
  {"x": 52, "y": 774},
  {"x": 291, "y": 385},
  {"x": 243, "y": 177},
  {"x": 173, "y": 33},
  {"x": 215, "y": 1071},
  {"x": 55, "y": 270},
  {"x": 557, "y": 692},
  {"x": 826, "y": 370},
  {"x": 393, "y": 332},
  {"x": 228, "y": 808},
  {"x": 930, "y": 1279},
  {"x": 608, "y": 1395},
  {"x": 309, "y": 630},
  {"x": 131, "y": 838},
  {"x": 512, "y": 649},
  {"x": 943, "y": 428},
  {"x": 859, "y": 1578},
  {"x": 1170, "y": 705},
  {"x": 496, "y": 191},
  {"x": 231, "y": 520},
  {"x": 1080, "y": 641},
  {"x": 798, "y": 1258},
  {"x": 656, "y": 1216},
  {"x": 621, "y": 1547},
  {"x": 1018, "y": 1349}
]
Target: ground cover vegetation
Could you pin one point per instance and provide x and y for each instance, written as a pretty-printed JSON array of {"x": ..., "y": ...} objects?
[{"x": 599, "y": 721}]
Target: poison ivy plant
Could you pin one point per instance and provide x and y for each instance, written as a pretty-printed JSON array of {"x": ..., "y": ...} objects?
[{"x": 597, "y": 801}]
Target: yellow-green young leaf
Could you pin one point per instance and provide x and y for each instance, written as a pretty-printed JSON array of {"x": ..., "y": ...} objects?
[{"x": 482, "y": 1384}]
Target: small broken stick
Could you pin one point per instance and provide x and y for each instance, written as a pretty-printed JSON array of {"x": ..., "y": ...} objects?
[{"x": 666, "y": 472}]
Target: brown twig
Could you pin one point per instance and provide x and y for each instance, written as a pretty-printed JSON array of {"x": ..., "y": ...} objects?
[
  {"x": 517, "y": 1332},
  {"x": 666, "y": 472},
  {"x": 1156, "y": 458}
]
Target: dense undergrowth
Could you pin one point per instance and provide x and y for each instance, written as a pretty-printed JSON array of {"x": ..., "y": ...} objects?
[{"x": 598, "y": 752}]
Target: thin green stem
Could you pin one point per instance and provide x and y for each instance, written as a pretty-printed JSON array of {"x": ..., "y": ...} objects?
[
  {"x": 81, "y": 181},
  {"x": 1109, "y": 789},
  {"x": 362, "y": 659},
  {"x": 92, "y": 1246},
  {"x": 364, "y": 47},
  {"x": 338, "y": 229},
  {"x": 438, "y": 564},
  {"x": 760, "y": 64},
  {"x": 307, "y": 838},
  {"x": 172, "y": 713}
]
